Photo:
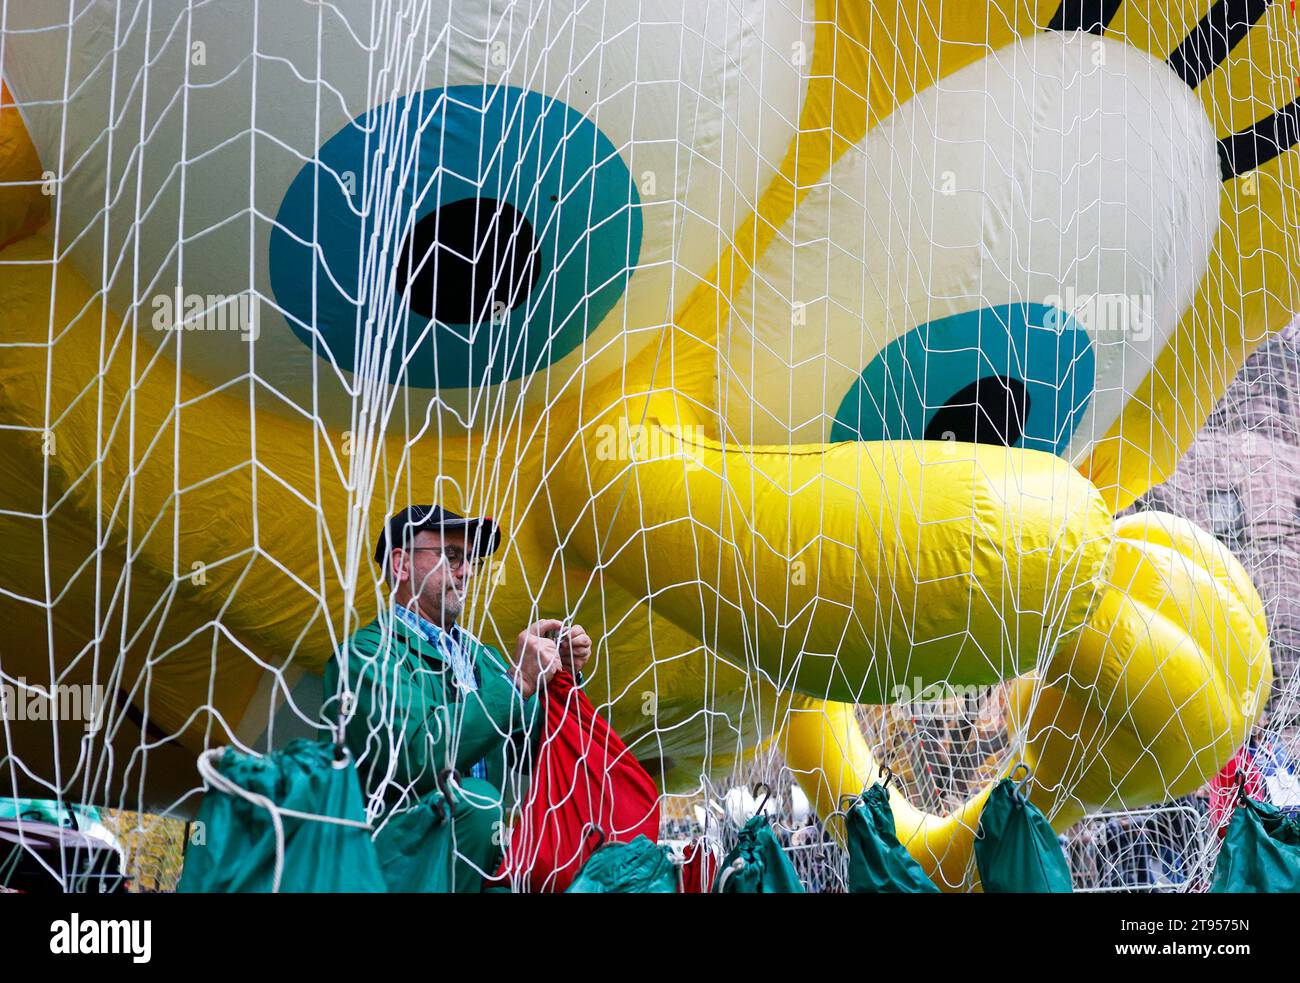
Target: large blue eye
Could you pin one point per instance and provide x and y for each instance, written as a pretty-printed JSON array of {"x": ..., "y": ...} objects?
[
  {"x": 498, "y": 227},
  {"x": 1020, "y": 375}
]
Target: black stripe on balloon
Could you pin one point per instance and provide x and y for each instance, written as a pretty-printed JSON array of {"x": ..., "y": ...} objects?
[
  {"x": 1084, "y": 15},
  {"x": 1210, "y": 41},
  {"x": 147, "y": 727},
  {"x": 1255, "y": 147}
]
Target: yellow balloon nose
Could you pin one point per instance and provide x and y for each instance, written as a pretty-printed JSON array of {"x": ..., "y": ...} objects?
[{"x": 867, "y": 563}]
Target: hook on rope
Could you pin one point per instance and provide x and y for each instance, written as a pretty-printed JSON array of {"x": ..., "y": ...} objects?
[
  {"x": 1020, "y": 785},
  {"x": 854, "y": 800},
  {"x": 592, "y": 828}
]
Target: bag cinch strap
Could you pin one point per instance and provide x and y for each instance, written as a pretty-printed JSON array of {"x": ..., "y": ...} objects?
[{"x": 208, "y": 771}]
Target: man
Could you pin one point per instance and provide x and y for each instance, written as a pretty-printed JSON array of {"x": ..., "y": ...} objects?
[{"x": 425, "y": 696}]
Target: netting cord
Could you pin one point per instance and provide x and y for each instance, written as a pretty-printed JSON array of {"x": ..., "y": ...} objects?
[
  {"x": 208, "y": 771},
  {"x": 734, "y": 867}
]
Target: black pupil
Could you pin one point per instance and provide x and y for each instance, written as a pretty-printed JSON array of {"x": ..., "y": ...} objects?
[
  {"x": 991, "y": 410},
  {"x": 468, "y": 261}
]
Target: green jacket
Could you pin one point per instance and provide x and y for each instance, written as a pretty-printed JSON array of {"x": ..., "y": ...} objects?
[{"x": 411, "y": 716}]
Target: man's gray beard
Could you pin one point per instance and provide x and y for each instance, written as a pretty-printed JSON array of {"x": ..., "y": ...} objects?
[{"x": 453, "y": 606}]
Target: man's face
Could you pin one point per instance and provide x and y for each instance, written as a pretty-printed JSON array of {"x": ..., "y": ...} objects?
[{"x": 435, "y": 572}]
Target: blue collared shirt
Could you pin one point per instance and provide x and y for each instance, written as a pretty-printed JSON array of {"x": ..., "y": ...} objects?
[{"x": 446, "y": 642}]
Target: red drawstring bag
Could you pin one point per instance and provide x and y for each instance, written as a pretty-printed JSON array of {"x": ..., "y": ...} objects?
[
  {"x": 1241, "y": 773},
  {"x": 586, "y": 789},
  {"x": 699, "y": 867}
]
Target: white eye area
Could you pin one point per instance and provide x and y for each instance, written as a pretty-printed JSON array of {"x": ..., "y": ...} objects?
[
  {"x": 690, "y": 106},
  {"x": 1063, "y": 172}
]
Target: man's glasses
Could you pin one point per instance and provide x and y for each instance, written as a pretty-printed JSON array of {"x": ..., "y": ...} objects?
[{"x": 453, "y": 555}]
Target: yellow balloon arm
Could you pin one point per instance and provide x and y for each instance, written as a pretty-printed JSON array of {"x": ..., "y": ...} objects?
[
  {"x": 1166, "y": 680},
  {"x": 824, "y": 747}
]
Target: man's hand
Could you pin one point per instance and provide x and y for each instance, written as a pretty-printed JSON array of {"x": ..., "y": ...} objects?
[
  {"x": 575, "y": 649},
  {"x": 537, "y": 657}
]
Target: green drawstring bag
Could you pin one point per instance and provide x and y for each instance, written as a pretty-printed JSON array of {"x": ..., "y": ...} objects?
[
  {"x": 415, "y": 848},
  {"x": 246, "y": 845},
  {"x": 757, "y": 864},
  {"x": 1016, "y": 848},
  {"x": 638, "y": 867},
  {"x": 878, "y": 863},
  {"x": 1260, "y": 853}
]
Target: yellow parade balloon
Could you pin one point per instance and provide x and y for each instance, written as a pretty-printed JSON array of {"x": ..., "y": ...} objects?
[{"x": 801, "y": 348}]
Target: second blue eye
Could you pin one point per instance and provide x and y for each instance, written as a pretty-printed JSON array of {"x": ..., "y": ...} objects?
[
  {"x": 493, "y": 228},
  {"x": 1020, "y": 375}
]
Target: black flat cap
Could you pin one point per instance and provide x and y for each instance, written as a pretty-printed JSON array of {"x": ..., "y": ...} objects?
[{"x": 482, "y": 534}]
